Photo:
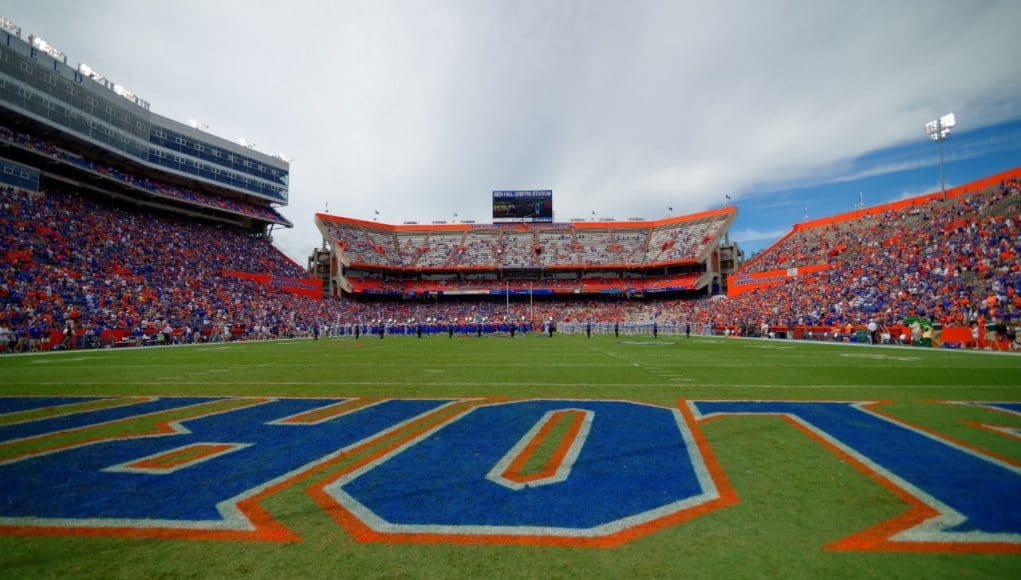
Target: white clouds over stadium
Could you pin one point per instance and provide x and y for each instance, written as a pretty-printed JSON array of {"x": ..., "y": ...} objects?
[{"x": 420, "y": 109}]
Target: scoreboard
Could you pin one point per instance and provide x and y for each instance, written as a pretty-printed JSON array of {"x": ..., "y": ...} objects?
[{"x": 535, "y": 206}]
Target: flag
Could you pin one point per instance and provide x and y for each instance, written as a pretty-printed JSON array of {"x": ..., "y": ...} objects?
[
  {"x": 727, "y": 195},
  {"x": 375, "y": 211},
  {"x": 670, "y": 209}
]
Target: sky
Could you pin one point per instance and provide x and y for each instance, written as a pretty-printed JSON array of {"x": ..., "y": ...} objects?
[{"x": 418, "y": 110}]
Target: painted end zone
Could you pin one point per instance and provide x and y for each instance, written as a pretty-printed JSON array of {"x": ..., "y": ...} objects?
[
  {"x": 510, "y": 470},
  {"x": 1009, "y": 409},
  {"x": 176, "y": 459},
  {"x": 593, "y": 473},
  {"x": 149, "y": 493},
  {"x": 638, "y": 469},
  {"x": 27, "y": 409},
  {"x": 960, "y": 499}
]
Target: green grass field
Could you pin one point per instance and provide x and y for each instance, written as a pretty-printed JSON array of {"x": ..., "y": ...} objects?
[{"x": 795, "y": 497}]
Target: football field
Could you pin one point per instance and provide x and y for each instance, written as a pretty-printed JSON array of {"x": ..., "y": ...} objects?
[{"x": 498, "y": 457}]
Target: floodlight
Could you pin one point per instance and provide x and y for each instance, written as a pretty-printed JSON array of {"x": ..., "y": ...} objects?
[{"x": 939, "y": 131}]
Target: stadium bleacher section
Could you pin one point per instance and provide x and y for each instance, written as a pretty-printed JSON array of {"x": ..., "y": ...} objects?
[
  {"x": 952, "y": 262},
  {"x": 107, "y": 274},
  {"x": 565, "y": 246},
  {"x": 155, "y": 187},
  {"x": 111, "y": 274}
]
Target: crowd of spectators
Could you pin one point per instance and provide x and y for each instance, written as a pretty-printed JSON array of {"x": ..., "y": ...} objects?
[
  {"x": 478, "y": 247},
  {"x": 954, "y": 262},
  {"x": 564, "y": 284},
  {"x": 156, "y": 187},
  {"x": 80, "y": 265}
]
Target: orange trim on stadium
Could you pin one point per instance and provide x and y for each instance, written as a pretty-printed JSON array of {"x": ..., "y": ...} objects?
[
  {"x": 977, "y": 185},
  {"x": 759, "y": 280},
  {"x": 529, "y": 226}
]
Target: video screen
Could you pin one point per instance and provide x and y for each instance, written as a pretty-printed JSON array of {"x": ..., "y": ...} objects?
[{"x": 523, "y": 206}]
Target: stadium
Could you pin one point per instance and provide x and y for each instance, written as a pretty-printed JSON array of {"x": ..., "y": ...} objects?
[{"x": 515, "y": 397}]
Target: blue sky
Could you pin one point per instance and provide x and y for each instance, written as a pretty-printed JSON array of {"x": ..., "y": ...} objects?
[
  {"x": 881, "y": 176},
  {"x": 421, "y": 109}
]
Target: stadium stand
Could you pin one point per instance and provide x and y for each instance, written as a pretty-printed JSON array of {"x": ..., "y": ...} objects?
[
  {"x": 160, "y": 189},
  {"x": 950, "y": 262},
  {"x": 950, "y": 265},
  {"x": 591, "y": 246},
  {"x": 103, "y": 273},
  {"x": 121, "y": 226}
]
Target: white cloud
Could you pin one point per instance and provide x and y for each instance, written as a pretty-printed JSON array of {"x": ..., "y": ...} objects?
[
  {"x": 909, "y": 193},
  {"x": 752, "y": 235},
  {"x": 420, "y": 109}
]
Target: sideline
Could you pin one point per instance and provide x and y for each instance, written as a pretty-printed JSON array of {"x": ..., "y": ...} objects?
[
  {"x": 88, "y": 351},
  {"x": 901, "y": 347},
  {"x": 630, "y": 340}
]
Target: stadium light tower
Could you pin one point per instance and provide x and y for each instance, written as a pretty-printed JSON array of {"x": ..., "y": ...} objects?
[{"x": 939, "y": 131}]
